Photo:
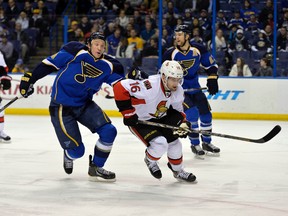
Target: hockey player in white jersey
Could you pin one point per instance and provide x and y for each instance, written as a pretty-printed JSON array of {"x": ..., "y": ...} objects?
[{"x": 157, "y": 99}]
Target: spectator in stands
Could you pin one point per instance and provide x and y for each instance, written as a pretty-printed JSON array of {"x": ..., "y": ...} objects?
[
  {"x": 85, "y": 24},
  {"x": 265, "y": 69},
  {"x": 152, "y": 5},
  {"x": 12, "y": 12},
  {"x": 171, "y": 9},
  {"x": 283, "y": 22},
  {"x": 133, "y": 24},
  {"x": 232, "y": 33},
  {"x": 143, "y": 10},
  {"x": 28, "y": 8},
  {"x": 113, "y": 42},
  {"x": 222, "y": 21},
  {"x": 3, "y": 18},
  {"x": 269, "y": 33},
  {"x": 138, "y": 20},
  {"x": 266, "y": 10},
  {"x": 168, "y": 38},
  {"x": 248, "y": 10},
  {"x": 165, "y": 25},
  {"x": 197, "y": 38},
  {"x": 204, "y": 20},
  {"x": 44, "y": 13},
  {"x": 220, "y": 41},
  {"x": 282, "y": 39},
  {"x": 237, "y": 20},
  {"x": 261, "y": 43},
  {"x": 24, "y": 20},
  {"x": 94, "y": 28},
  {"x": 125, "y": 50},
  {"x": 196, "y": 25},
  {"x": 128, "y": 8},
  {"x": 147, "y": 32},
  {"x": 23, "y": 37},
  {"x": 123, "y": 19},
  {"x": 134, "y": 39},
  {"x": 7, "y": 49},
  {"x": 109, "y": 30},
  {"x": 151, "y": 50},
  {"x": 96, "y": 11},
  {"x": 199, "y": 5},
  {"x": 239, "y": 43},
  {"x": 40, "y": 23},
  {"x": 19, "y": 67},
  {"x": 240, "y": 69},
  {"x": 253, "y": 25},
  {"x": 188, "y": 18}
]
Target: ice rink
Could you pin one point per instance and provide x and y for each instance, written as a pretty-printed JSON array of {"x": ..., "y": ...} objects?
[{"x": 247, "y": 179}]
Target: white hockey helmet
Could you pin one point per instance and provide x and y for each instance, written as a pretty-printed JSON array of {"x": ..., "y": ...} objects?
[{"x": 171, "y": 69}]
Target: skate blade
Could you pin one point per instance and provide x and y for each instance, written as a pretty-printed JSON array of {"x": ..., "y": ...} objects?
[
  {"x": 4, "y": 141},
  {"x": 211, "y": 154},
  {"x": 200, "y": 157},
  {"x": 99, "y": 179},
  {"x": 187, "y": 182}
]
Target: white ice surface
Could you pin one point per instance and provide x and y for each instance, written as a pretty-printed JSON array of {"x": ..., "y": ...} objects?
[{"x": 247, "y": 179}]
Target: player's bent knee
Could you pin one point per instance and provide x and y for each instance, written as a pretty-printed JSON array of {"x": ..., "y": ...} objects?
[
  {"x": 107, "y": 133},
  {"x": 206, "y": 118},
  {"x": 77, "y": 152}
]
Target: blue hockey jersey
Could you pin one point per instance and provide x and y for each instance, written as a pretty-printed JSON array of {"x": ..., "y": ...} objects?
[
  {"x": 191, "y": 60},
  {"x": 79, "y": 74}
]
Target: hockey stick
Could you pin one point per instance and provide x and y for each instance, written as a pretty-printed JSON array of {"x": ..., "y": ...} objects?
[
  {"x": 264, "y": 139},
  {"x": 9, "y": 103},
  {"x": 195, "y": 89}
]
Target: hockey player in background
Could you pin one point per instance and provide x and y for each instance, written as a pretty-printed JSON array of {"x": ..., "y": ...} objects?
[
  {"x": 81, "y": 70},
  {"x": 5, "y": 82},
  {"x": 196, "y": 106},
  {"x": 158, "y": 99}
]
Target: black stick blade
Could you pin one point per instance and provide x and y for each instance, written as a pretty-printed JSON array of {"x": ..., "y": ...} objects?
[{"x": 270, "y": 135}]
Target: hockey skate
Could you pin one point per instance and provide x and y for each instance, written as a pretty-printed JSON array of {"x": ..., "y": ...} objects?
[
  {"x": 153, "y": 168},
  {"x": 67, "y": 164},
  {"x": 198, "y": 151},
  {"x": 182, "y": 175},
  {"x": 99, "y": 174},
  {"x": 210, "y": 149},
  {"x": 4, "y": 137}
]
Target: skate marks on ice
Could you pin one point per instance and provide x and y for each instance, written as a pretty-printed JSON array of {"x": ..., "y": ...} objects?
[{"x": 245, "y": 180}]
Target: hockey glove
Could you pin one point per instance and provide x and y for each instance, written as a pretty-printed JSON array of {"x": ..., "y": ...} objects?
[
  {"x": 183, "y": 130},
  {"x": 212, "y": 84},
  {"x": 130, "y": 120},
  {"x": 137, "y": 74},
  {"x": 26, "y": 87},
  {"x": 6, "y": 82}
]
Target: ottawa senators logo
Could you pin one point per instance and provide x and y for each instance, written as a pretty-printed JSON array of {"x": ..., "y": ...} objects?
[
  {"x": 89, "y": 71},
  {"x": 160, "y": 110}
]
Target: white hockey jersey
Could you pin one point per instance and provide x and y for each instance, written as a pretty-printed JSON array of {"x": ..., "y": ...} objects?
[{"x": 147, "y": 98}]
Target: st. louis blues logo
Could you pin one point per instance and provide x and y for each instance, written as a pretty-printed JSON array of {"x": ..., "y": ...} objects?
[
  {"x": 89, "y": 71},
  {"x": 186, "y": 65}
]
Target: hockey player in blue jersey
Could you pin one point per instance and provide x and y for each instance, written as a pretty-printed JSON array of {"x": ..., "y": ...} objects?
[
  {"x": 192, "y": 57},
  {"x": 81, "y": 70}
]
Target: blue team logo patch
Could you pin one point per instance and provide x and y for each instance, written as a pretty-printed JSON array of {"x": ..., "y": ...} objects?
[
  {"x": 186, "y": 65},
  {"x": 88, "y": 71}
]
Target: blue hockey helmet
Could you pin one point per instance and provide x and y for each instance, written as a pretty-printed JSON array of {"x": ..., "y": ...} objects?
[{"x": 96, "y": 35}]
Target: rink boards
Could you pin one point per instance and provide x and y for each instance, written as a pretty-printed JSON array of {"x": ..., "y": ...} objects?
[{"x": 238, "y": 98}]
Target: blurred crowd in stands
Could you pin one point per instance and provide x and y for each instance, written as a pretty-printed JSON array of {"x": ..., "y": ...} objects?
[{"x": 244, "y": 30}]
